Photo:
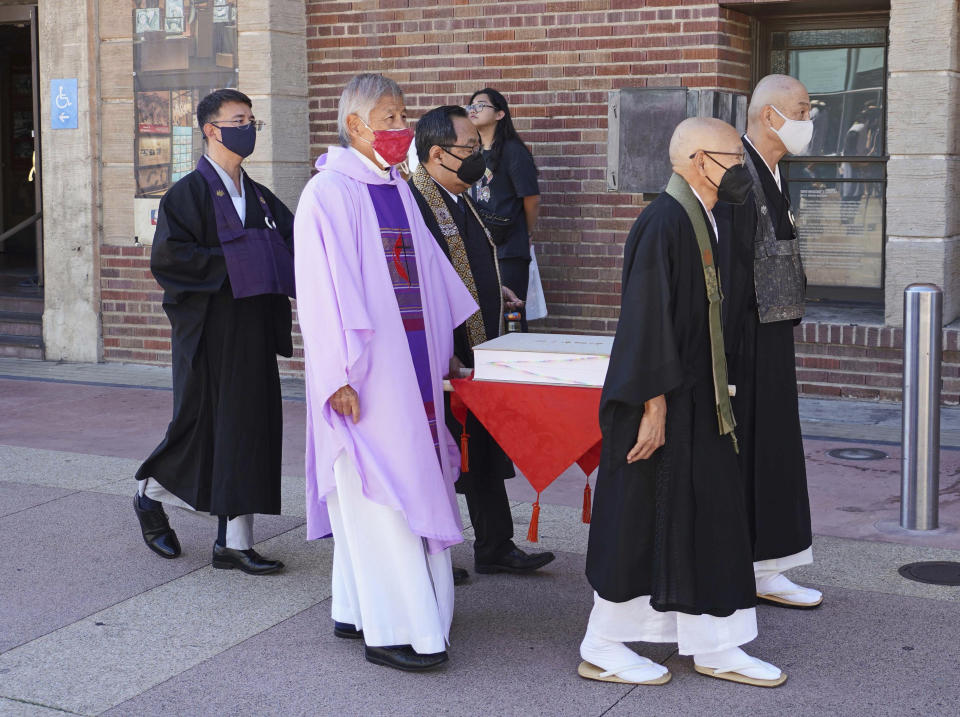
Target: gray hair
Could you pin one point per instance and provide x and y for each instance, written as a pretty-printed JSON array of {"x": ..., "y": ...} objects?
[{"x": 359, "y": 97}]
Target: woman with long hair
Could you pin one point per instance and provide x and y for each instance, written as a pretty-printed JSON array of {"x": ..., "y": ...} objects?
[{"x": 507, "y": 196}]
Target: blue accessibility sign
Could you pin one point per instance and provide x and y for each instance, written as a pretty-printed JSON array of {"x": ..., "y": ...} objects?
[{"x": 63, "y": 104}]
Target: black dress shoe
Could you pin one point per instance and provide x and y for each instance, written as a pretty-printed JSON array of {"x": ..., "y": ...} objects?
[
  {"x": 346, "y": 631},
  {"x": 516, "y": 561},
  {"x": 249, "y": 561},
  {"x": 404, "y": 657},
  {"x": 157, "y": 533},
  {"x": 460, "y": 576}
]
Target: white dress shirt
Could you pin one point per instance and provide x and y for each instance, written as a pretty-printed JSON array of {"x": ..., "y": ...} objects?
[{"x": 239, "y": 197}]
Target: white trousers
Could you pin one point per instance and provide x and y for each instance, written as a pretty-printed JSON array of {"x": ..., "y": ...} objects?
[
  {"x": 239, "y": 529},
  {"x": 384, "y": 580},
  {"x": 768, "y": 568},
  {"x": 636, "y": 621}
]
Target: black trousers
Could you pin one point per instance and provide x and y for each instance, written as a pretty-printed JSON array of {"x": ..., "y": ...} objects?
[
  {"x": 490, "y": 514},
  {"x": 515, "y": 275}
]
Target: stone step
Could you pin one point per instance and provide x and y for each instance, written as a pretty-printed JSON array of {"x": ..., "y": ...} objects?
[
  {"x": 27, "y": 347},
  {"x": 21, "y": 324},
  {"x": 18, "y": 303}
]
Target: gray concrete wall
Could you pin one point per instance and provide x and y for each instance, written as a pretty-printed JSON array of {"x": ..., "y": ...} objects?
[
  {"x": 71, "y": 184},
  {"x": 273, "y": 72},
  {"x": 923, "y": 174}
]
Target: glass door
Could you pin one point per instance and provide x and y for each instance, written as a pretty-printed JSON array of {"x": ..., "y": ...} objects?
[{"x": 838, "y": 188}]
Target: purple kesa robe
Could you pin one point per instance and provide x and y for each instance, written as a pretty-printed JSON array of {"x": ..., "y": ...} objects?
[{"x": 353, "y": 334}]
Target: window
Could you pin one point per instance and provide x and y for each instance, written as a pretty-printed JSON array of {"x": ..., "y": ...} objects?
[{"x": 838, "y": 189}]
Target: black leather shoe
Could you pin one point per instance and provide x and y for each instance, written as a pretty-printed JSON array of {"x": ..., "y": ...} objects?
[
  {"x": 157, "y": 533},
  {"x": 460, "y": 576},
  {"x": 249, "y": 561},
  {"x": 346, "y": 631},
  {"x": 516, "y": 561},
  {"x": 404, "y": 657}
]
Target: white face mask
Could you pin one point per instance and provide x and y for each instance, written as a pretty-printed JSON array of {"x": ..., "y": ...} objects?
[{"x": 795, "y": 134}]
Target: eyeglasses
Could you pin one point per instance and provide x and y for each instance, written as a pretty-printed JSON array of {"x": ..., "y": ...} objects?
[
  {"x": 474, "y": 148},
  {"x": 478, "y": 107},
  {"x": 241, "y": 124},
  {"x": 741, "y": 157}
]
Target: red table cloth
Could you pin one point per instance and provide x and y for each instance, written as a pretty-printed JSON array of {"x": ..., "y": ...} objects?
[{"x": 543, "y": 429}]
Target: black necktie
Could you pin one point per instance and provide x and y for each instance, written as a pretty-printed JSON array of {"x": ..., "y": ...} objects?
[{"x": 462, "y": 204}]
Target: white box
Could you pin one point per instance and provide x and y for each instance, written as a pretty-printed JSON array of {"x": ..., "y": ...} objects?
[{"x": 555, "y": 359}]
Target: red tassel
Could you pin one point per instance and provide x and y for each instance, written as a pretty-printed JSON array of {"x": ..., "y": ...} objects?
[
  {"x": 534, "y": 531},
  {"x": 587, "y": 502},
  {"x": 464, "y": 451}
]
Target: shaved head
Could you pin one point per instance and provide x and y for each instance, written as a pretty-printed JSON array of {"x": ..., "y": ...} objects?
[
  {"x": 701, "y": 150},
  {"x": 785, "y": 93},
  {"x": 698, "y": 133}
]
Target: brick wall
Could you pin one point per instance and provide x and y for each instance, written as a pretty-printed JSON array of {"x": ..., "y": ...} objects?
[
  {"x": 864, "y": 362},
  {"x": 555, "y": 62}
]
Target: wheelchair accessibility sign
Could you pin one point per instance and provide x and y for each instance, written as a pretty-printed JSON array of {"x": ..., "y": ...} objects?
[{"x": 63, "y": 104}]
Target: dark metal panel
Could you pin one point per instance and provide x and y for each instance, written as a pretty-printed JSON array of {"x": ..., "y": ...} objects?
[{"x": 641, "y": 122}]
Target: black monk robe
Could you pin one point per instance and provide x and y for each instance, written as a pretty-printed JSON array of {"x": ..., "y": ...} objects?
[
  {"x": 221, "y": 453},
  {"x": 674, "y": 526},
  {"x": 761, "y": 363},
  {"x": 487, "y": 459}
]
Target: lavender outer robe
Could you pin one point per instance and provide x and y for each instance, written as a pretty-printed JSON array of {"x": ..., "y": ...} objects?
[{"x": 353, "y": 333}]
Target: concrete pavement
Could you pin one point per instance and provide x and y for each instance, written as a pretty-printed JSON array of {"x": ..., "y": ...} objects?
[{"x": 91, "y": 622}]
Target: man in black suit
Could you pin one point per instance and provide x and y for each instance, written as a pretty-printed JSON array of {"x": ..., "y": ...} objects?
[{"x": 448, "y": 148}]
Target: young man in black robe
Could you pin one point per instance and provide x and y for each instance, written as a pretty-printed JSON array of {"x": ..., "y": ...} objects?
[
  {"x": 764, "y": 285},
  {"x": 223, "y": 253},
  {"x": 669, "y": 554},
  {"x": 448, "y": 148}
]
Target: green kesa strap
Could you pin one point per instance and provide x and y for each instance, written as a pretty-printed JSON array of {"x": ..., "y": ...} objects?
[{"x": 681, "y": 191}]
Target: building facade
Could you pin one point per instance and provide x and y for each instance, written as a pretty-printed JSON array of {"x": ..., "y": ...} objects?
[{"x": 876, "y": 198}]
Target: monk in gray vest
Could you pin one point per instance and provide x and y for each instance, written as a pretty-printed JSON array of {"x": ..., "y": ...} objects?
[{"x": 764, "y": 287}]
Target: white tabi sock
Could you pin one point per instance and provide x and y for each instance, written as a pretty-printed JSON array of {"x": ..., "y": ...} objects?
[
  {"x": 736, "y": 660},
  {"x": 614, "y": 656},
  {"x": 782, "y": 586}
]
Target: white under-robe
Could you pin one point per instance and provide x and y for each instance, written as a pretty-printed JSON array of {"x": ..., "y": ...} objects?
[
  {"x": 384, "y": 580},
  {"x": 239, "y": 529},
  {"x": 636, "y": 621}
]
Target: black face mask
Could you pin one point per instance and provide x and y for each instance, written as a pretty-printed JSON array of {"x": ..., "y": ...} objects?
[
  {"x": 735, "y": 185},
  {"x": 471, "y": 168}
]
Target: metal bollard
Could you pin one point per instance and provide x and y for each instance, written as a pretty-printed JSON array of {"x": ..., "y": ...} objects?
[{"x": 922, "y": 351}]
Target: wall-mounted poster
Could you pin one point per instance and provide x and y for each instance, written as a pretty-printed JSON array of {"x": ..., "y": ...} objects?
[
  {"x": 153, "y": 181},
  {"x": 173, "y": 25},
  {"x": 183, "y": 108},
  {"x": 153, "y": 150},
  {"x": 153, "y": 112},
  {"x": 182, "y": 51},
  {"x": 147, "y": 20}
]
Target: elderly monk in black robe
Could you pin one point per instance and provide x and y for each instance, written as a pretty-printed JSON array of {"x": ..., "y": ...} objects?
[
  {"x": 669, "y": 555},
  {"x": 223, "y": 253},
  {"x": 448, "y": 148},
  {"x": 764, "y": 285}
]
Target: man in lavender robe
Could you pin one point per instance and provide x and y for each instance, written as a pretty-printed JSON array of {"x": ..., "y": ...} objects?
[{"x": 377, "y": 305}]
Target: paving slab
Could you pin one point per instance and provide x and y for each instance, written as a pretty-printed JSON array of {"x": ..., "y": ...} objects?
[
  {"x": 514, "y": 644},
  {"x": 870, "y": 565},
  {"x": 860, "y": 654},
  {"x": 64, "y": 469},
  {"x": 110, "y": 420},
  {"x": 15, "y": 497},
  {"x": 13, "y": 708},
  {"x": 78, "y": 554},
  {"x": 115, "y": 654}
]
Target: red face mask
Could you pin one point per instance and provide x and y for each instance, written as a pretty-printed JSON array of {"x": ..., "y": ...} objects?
[{"x": 391, "y": 144}]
